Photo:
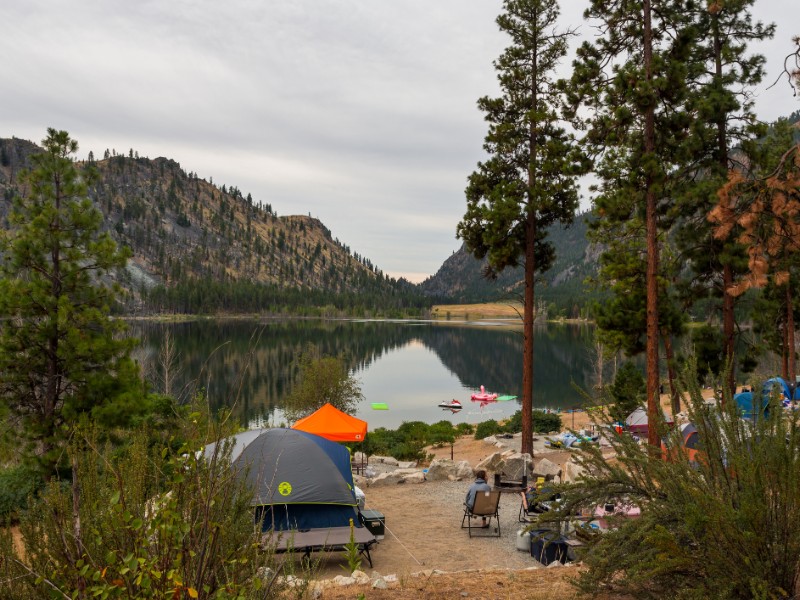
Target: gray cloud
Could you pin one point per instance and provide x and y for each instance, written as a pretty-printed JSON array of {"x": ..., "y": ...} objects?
[{"x": 360, "y": 113}]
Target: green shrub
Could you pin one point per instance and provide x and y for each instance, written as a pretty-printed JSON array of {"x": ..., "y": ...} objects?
[
  {"x": 413, "y": 430},
  {"x": 407, "y": 450},
  {"x": 16, "y": 485},
  {"x": 541, "y": 422},
  {"x": 149, "y": 524},
  {"x": 379, "y": 441},
  {"x": 465, "y": 429},
  {"x": 544, "y": 422},
  {"x": 442, "y": 432},
  {"x": 403, "y": 443},
  {"x": 487, "y": 428}
]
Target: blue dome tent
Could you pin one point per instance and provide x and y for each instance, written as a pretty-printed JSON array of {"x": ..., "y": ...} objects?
[
  {"x": 300, "y": 480},
  {"x": 748, "y": 406}
]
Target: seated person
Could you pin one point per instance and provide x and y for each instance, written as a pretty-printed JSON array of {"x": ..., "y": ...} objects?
[
  {"x": 479, "y": 485},
  {"x": 537, "y": 500},
  {"x": 528, "y": 496}
]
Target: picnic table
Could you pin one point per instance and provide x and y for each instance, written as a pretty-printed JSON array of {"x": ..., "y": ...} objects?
[{"x": 330, "y": 539}]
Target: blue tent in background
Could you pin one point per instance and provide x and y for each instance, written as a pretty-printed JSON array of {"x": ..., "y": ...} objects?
[
  {"x": 749, "y": 407},
  {"x": 300, "y": 480}
]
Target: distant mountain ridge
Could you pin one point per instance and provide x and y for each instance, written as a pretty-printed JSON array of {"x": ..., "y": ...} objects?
[
  {"x": 183, "y": 228},
  {"x": 187, "y": 232}
]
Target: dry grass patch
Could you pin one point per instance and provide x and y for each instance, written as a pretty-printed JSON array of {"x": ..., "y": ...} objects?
[
  {"x": 529, "y": 584},
  {"x": 477, "y": 311}
]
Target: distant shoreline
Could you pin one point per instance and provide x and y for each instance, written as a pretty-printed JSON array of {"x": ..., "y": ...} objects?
[
  {"x": 505, "y": 311},
  {"x": 501, "y": 313}
]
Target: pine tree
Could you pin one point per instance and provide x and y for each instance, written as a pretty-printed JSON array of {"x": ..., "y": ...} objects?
[
  {"x": 759, "y": 208},
  {"x": 723, "y": 126},
  {"x": 528, "y": 183},
  {"x": 632, "y": 79},
  {"x": 60, "y": 355}
]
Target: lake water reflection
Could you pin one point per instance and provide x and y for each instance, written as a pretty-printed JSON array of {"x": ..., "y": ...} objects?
[{"x": 411, "y": 366}]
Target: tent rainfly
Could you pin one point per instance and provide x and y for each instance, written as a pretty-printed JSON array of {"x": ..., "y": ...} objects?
[
  {"x": 637, "y": 421},
  {"x": 332, "y": 424},
  {"x": 300, "y": 480}
]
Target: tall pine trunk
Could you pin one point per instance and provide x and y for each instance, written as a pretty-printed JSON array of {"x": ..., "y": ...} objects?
[
  {"x": 728, "y": 318},
  {"x": 675, "y": 401},
  {"x": 527, "y": 351},
  {"x": 653, "y": 404},
  {"x": 52, "y": 387},
  {"x": 790, "y": 353},
  {"x": 530, "y": 276}
]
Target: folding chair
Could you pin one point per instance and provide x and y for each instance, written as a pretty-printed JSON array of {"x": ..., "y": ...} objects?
[
  {"x": 536, "y": 504},
  {"x": 487, "y": 505}
]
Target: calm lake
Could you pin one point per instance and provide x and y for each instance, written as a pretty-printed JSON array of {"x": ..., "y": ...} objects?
[{"x": 411, "y": 366}]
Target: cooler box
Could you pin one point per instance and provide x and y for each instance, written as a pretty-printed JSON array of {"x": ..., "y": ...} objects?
[
  {"x": 548, "y": 546},
  {"x": 375, "y": 522}
]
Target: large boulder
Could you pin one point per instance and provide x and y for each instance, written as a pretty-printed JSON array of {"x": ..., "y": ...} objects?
[
  {"x": 572, "y": 471},
  {"x": 441, "y": 469},
  {"x": 417, "y": 477},
  {"x": 464, "y": 471},
  {"x": 490, "y": 463},
  {"x": 515, "y": 465},
  {"x": 391, "y": 478},
  {"x": 547, "y": 469}
]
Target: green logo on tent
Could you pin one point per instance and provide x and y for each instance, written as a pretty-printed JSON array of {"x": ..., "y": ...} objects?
[{"x": 285, "y": 488}]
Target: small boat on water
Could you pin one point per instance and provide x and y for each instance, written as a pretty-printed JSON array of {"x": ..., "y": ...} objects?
[
  {"x": 451, "y": 404},
  {"x": 483, "y": 396}
]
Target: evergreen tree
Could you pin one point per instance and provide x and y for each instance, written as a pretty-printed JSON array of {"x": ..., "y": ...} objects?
[
  {"x": 528, "y": 183},
  {"x": 632, "y": 79},
  {"x": 60, "y": 354},
  {"x": 722, "y": 103},
  {"x": 627, "y": 391},
  {"x": 759, "y": 208}
]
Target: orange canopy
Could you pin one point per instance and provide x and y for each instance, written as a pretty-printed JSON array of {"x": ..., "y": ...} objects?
[{"x": 332, "y": 424}]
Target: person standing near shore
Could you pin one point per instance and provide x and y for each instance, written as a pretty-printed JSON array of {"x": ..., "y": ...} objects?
[{"x": 479, "y": 485}]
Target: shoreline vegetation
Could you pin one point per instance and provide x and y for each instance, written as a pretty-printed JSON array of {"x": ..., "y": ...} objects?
[{"x": 505, "y": 313}]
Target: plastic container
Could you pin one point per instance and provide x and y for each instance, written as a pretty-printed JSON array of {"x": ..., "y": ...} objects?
[{"x": 523, "y": 540}]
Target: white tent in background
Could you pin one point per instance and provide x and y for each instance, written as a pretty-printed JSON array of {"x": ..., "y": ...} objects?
[{"x": 637, "y": 421}]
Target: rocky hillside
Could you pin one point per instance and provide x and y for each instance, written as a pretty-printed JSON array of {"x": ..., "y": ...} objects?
[
  {"x": 183, "y": 228},
  {"x": 461, "y": 279}
]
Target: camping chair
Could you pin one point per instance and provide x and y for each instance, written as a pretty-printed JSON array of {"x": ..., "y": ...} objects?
[
  {"x": 487, "y": 505},
  {"x": 535, "y": 503}
]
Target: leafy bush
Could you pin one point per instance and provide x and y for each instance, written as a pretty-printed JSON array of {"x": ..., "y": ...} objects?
[
  {"x": 442, "y": 432},
  {"x": 541, "y": 422},
  {"x": 544, "y": 422},
  {"x": 413, "y": 430},
  {"x": 16, "y": 485},
  {"x": 465, "y": 429},
  {"x": 401, "y": 444},
  {"x": 151, "y": 524},
  {"x": 726, "y": 525},
  {"x": 487, "y": 428}
]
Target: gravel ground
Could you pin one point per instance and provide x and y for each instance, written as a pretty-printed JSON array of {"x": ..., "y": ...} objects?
[{"x": 423, "y": 532}]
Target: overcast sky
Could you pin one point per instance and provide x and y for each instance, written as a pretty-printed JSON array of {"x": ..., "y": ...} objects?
[{"x": 359, "y": 112}]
